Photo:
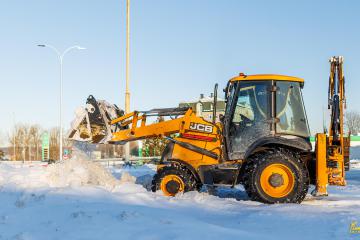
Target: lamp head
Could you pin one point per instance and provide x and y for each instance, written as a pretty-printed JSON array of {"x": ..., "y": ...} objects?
[{"x": 80, "y": 48}]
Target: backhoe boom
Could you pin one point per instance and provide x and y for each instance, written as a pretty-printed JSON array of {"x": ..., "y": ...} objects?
[{"x": 332, "y": 150}]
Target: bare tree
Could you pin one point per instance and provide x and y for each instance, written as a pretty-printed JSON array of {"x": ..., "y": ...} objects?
[
  {"x": 2, "y": 154},
  {"x": 35, "y": 133},
  {"x": 1, "y": 138},
  {"x": 155, "y": 146},
  {"x": 26, "y": 140},
  {"x": 25, "y": 144},
  {"x": 15, "y": 139},
  {"x": 54, "y": 136},
  {"x": 352, "y": 121},
  {"x": 20, "y": 132}
]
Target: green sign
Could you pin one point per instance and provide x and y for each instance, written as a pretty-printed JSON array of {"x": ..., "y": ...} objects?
[
  {"x": 45, "y": 146},
  {"x": 352, "y": 139},
  {"x": 140, "y": 147}
]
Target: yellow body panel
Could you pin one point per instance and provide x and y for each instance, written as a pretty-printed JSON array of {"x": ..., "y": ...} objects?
[
  {"x": 262, "y": 77},
  {"x": 181, "y": 125},
  {"x": 196, "y": 159},
  {"x": 321, "y": 168}
]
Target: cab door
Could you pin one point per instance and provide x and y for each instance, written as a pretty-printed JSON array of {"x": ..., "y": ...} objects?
[{"x": 247, "y": 116}]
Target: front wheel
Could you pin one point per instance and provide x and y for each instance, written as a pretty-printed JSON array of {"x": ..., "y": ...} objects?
[
  {"x": 276, "y": 176},
  {"x": 172, "y": 180}
]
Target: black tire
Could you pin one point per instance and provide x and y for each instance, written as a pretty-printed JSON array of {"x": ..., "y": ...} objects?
[
  {"x": 190, "y": 183},
  {"x": 258, "y": 162}
]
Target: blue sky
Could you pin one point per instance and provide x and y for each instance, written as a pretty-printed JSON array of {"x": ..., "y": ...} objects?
[{"x": 179, "y": 50}]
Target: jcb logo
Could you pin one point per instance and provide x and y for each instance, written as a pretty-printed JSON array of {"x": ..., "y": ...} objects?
[{"x": 201, "y": 127}]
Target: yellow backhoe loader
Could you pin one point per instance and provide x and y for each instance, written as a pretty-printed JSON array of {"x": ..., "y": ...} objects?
[{"x": 262, "y": 141}]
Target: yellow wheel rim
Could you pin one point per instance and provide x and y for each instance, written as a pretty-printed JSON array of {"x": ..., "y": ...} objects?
[
  {"x": 171, "y": 185},
  {"x": 277, "y": 180}
]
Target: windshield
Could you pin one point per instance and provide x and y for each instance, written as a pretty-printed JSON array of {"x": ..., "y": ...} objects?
[
  {"x": 253, "y": 102},
  {"x": 290, "y": 109}
]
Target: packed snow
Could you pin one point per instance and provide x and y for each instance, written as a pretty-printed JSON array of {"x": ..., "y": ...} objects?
[{"x": 79, "y": 199}]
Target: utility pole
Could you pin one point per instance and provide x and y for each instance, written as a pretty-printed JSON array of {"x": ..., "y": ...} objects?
[
  {"x": 14, "y": 137},
  {"x": 127, "y": 92}
]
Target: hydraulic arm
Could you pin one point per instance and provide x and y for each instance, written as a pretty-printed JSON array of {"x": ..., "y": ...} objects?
[
  {"x": 332, "y": 150},
  {"x": 96, "y": 124}
]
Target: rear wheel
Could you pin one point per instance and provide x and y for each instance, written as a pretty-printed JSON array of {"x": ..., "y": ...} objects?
[
  {"x": 172, "y": 180},
  {"x": 276, "y": 176}
]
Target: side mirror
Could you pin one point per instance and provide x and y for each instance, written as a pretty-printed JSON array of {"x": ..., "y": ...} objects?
[{"x": 221, "y": 117}]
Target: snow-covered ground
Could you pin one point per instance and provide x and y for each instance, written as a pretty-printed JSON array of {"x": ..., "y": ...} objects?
[{"x": 78, "y": 200}]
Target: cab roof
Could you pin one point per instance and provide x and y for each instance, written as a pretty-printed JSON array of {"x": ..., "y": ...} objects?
[{"x": 265, "y": 77}]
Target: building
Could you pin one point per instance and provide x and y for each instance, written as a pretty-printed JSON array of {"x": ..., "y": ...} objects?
[{"x": 203, "y": 106}]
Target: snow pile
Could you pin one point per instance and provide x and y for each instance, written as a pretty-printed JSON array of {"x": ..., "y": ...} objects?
[
  {"x": 79, "y": 171},
  {"x": 127, "y": 178},
  {"x": 355, "y": 164},
  {"x": 22, "y": 176},
  {"x": 31, "y": 209}
]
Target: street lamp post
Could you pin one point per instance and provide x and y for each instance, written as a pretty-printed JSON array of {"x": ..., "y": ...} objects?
[
  {"x": 127, "y": 92},
  {"x": 61, "y": 58}
]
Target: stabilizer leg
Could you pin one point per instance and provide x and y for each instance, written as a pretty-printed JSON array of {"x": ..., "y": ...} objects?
[{"x": 321, "y": 167}]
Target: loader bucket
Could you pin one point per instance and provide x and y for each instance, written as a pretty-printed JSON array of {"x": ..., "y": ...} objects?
[{"x": 92, "y": 122}]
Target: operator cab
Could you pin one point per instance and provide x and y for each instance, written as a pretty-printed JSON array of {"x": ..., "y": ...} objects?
[{"x": 264, "y": 110}]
